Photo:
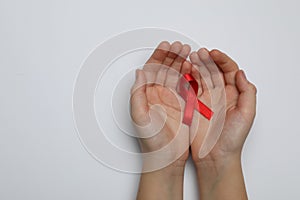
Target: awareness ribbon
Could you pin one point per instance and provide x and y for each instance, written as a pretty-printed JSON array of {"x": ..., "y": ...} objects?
[{"x": 188, "y": 90}]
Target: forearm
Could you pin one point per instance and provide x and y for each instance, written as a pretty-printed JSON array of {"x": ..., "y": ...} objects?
[
  {"x": 166, "y": 183},
  {"x": 221, "y": 180}
]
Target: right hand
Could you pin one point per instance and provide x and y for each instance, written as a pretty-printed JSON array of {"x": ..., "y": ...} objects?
[{"x": 240, "y": 105}]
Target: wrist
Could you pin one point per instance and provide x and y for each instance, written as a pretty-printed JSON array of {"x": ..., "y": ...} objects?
[
  {"x": 165, "y": 162},
  {"x": 172, "y": 170},
  {"x": 165, "y": 183},
  {"x": 221, "y": 178},
  {"x": 218, "y": 162}
]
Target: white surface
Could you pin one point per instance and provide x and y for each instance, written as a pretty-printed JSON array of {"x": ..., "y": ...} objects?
[{"x": 43, "y": 43}]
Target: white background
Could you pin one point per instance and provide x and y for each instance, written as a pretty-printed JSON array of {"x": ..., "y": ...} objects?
[{"x": 43, "y": 43}]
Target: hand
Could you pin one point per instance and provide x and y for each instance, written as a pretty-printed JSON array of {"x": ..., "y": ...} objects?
[
  {"x": 156, "y": 111},
  {"x": 219, "y": 172},
  {"x": 240, "y": 102},
  {"x": 154, "y": 100}
]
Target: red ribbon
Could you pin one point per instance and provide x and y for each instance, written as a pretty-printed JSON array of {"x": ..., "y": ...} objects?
[{"x": 188, "y": 90}]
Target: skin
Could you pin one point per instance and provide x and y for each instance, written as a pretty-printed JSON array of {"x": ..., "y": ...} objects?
[
  {"x": 219, "y": 173},
  {"x": 167, "y": 59}
]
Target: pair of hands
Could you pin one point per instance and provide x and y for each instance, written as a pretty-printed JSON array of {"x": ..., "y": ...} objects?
[{"x": 157, "y": 110}]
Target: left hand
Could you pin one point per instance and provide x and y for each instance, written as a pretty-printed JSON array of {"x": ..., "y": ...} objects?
[{"x": 154, "y": 100}]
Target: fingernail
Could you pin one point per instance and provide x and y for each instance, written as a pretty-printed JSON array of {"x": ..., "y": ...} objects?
[{"x": 243, "y": 74}]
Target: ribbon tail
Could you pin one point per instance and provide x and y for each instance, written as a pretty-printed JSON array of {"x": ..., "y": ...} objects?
[{"x": 204, "y": 110}]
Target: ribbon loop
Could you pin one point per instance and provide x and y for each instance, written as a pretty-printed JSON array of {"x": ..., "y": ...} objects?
[{"x": 188, "y": 90}]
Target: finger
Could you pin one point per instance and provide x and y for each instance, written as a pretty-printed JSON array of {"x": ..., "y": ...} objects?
[
  {"x": 160, "y": 53},
  {"x": 181, "y": 57},
  {"x": 186, "y": 68},
  {"x": 152, "y": 66},
  {"x": 247, "y": 98},
  {"x": 204, "y": 73},
  {"x": 175, "y": 49},
  {"x": 172, "y": 54},
  {"x": 161, "y": 75},
  {"x": 216, "y": 75},
  {"x": 175, "y": 68},
  {"x": 138, "y": 100},
  {"x": 196, "y": 74},
  {"x": 226, "y": 65}
]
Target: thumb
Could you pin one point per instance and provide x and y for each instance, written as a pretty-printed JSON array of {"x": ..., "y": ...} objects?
[
  {"x": 138, "y": 100},
  {"x": 247, "y": 97}
]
